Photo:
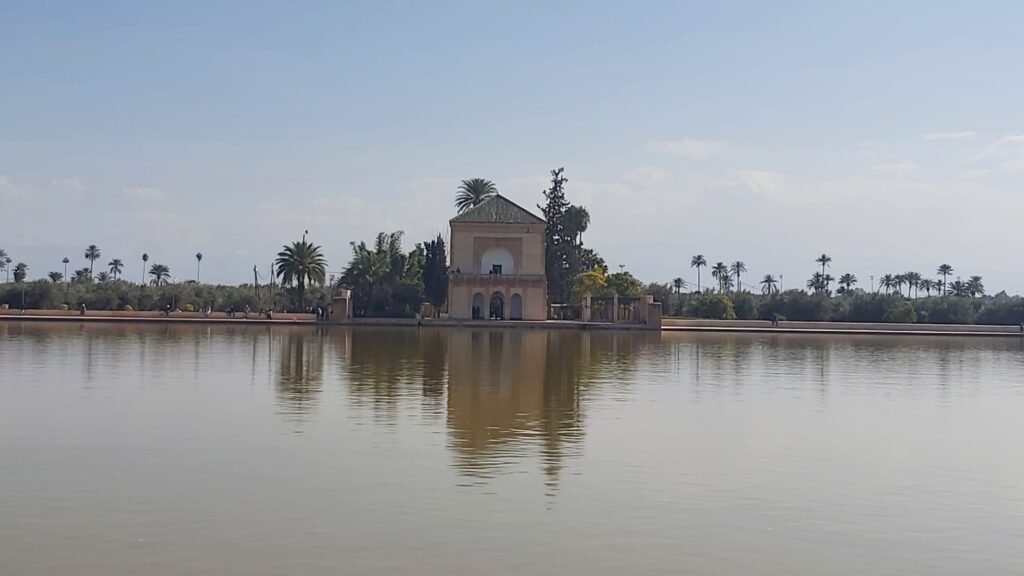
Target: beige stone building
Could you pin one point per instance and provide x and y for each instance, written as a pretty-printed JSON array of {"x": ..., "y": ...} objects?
[{"x": 497, "y": 263}]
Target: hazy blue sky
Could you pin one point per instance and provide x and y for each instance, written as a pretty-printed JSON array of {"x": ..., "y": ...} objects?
[{"x": 888, "y": 134}]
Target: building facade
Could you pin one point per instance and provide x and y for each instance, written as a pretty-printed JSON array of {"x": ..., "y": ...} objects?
[{"x": 497, "y": 263}]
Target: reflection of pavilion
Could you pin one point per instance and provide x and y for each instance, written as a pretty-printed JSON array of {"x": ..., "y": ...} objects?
[{"x": 504, "y": 396}]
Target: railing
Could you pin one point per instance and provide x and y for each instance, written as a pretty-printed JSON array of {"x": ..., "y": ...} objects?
[{"x": 498, "y": 277}]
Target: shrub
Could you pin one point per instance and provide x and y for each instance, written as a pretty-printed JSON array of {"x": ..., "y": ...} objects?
[
  {"x": 128, "y": 308},
  {"x": 715, "y": 307}
]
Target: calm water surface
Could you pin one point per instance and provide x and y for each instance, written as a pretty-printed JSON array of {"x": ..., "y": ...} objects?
[{"x": 230, "y": 450}]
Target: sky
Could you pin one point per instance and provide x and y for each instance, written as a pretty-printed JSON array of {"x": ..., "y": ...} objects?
[{"x": 889, "y": 135}]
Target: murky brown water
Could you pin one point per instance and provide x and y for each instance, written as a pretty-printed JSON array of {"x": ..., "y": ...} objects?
[{"x": 187, "y": 450}]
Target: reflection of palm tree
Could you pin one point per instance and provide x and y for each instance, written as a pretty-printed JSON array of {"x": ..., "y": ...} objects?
[
  {"x": 698, "y": 262},
  {"x": 474, "y": 192},
  {"x": 300, "y": 371}
]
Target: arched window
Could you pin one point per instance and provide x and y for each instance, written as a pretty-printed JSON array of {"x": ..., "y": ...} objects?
[{"x": 497, "y": 261}]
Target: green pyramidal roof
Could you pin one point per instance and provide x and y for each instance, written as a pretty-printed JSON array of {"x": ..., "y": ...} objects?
[{"x": 498, "y": 210}]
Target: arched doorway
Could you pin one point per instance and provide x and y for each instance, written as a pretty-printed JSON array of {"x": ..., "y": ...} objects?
[
  {"x": 516, "y": 307},
  {"x": 477, "y": 311},
  {"x": 497, "y": 311}
]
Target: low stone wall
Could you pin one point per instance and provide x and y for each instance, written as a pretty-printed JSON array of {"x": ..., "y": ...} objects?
[
  {"x": 741, "y": 325},
  {"x": 151, "y": 315}
]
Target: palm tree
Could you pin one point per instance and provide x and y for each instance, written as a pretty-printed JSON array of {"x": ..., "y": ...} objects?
[
  {"x": 698, "y": 262},
  {"x": 847, "y": 282},
  {"x": 678, "y": 284},
  {"x": 145, "y": 258},
  {"x": 56, "y": 277},
  {"x": 944, "y": 271},
  {"x": 720, "y": 272},
  {"x": 975, "y": 287},
  {"x": 769, "y": 284},
  {"x": 958, "y": 288},
  {"x": 199, "y": 260},
  {"x": 161, "y": 274},
  {"x": 103, "y": 277},
  {"x": 474, "y": 192},
  {"x": 888, "y": 282},
  {"x": 825, "y": 260},
  {"x": 913, "y": 281},
  {"x": 82, "y": 276},
  {"x": 300, "y": 263},
  {"x": 116, "y": 266},
  {"x": 737, "y": 268},
  {"x": 20, "y": 272},
  {"x": 92, "y": 254},
  {"x": 927, "y": 284},
  {"x": 4, "y": 261},
  {"x": 65, "y": 262},
  {"x": 577, "y": 220}
]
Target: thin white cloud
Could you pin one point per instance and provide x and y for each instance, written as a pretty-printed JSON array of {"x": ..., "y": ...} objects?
[
  {"x": 902, "y": 168},
  {"x": 688, "y": 148},
  {"x": 648, "y": 176},
  {"x": 143, "y": 193},
  {"x": 769, "y": 185},
  {"x": 966, "y": 135},
  {"x": 70, "y": 185},
  {"x": 1007, "y": 153}
]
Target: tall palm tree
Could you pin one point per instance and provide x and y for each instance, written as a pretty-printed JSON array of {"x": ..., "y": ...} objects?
[
  {"x": 577, "y": 220},
  {"x": 82, "y": 276},
  {"x": 161, "y": 274},
  {"x": 300, "y": 263},
  {"x": 56, "y": 277},
  {"x": 927, "y": 284},
  {"x": 678, "y": 284},
  {"x": 944, "y": 270},
  {"x": 737, "y": 268},
  {"x": 4, "y": 261},
  {"x": 975, "y": 286},
  {"x": 899, "y": 280},
  {"x": 698, "y": 262},
  {"x": 199, "y": 260},
  {"x": 720, "y": 272},
  {"x": 888, "y": 281},
  {"x": 116, "y": 266},
  {"x": 7, "y": 267},
  {"x": 847, "y": 282},
  {"x": 145, "y": 258},
  {"x": 65, "y": 261},
  {"x": 913, "y": 281},
  {"x": 92, "y": 254},
  {"x": 825, "y": 260},
  {"x": 769, "y": 284},
  {"x": 474, "y": 192}
]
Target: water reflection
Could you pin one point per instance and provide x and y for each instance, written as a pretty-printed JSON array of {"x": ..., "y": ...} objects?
[{"x": 300, "y": 371}]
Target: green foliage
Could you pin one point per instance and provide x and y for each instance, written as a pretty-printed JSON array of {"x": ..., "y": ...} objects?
[
  {"x": 435, "y": 271},
  {"x": 624, "y": 284},
  {"x": 300, "y": 264},
  {"x": 902, "y": 312},
  {"x": 561, "y": 263},
  {"x": 118, "y": 294},
  {"x": 20, "y": 272},
  {"x": 714, "y": 306},
  {"x": 591, "y": 282},
  {"x": 474, "y": 192},
  {"x": 796, "y": 305},
  {"x": 745, "y": 306},
  {"x": 384, "y": 280}
]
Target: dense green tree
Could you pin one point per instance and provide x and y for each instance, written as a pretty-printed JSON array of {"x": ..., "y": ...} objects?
[
  {"x": 92, "y": 254},
  {"x": 561, "y": 257},
  {"x": 301, "y": 263},
  {"x": 737, "y": 268},
  {"x": 819, "y": 283},
  {"x": 887, "y": 281},
  {"x": 714, "y": 306},
  {"x": 624, "y": 284},
  {"x": 958, "y": 288},
  {"x": 589, "y": 259},
  {"x": 161, "y": 274},
  {"x": 435, "y": 271},
  {"x": 698, "y": 261},
  {"x": 385, "y": 280},
  {"x": 474, "y": 192}
]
